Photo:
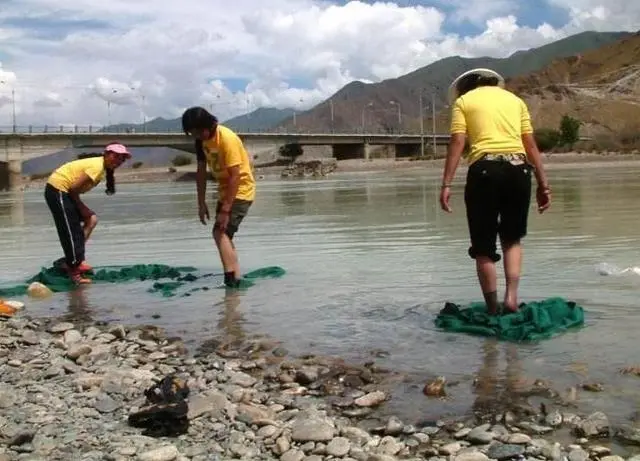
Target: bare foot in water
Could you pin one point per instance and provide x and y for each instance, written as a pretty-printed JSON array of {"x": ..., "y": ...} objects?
[{"x": 510, "y": 307}]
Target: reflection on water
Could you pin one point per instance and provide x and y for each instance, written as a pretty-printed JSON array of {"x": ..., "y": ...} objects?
[
  {"x": 493, "y": 391},
  {"x": 370, "y": 260}
]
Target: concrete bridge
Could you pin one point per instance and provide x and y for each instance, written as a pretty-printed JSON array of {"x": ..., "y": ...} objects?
[{"x": 18, "y": 147}]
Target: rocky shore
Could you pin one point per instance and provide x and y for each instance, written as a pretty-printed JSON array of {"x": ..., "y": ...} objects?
[{"x": 67, "y": 391}]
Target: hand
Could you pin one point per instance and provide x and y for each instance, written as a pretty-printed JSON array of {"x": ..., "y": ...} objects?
[
  {"x": 222, "y": 221},
  {"x": 543, "y": 197},
  {"x": 86, "y": 213},
  {"x": 445, "y": 194},
  {"x": 203, "y": 212}
]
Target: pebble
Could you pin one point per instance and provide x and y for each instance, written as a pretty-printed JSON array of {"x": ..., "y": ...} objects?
[{"x": 68, "y": 390}]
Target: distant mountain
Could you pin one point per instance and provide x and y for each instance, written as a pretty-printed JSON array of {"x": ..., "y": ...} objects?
[
  {"x": 358, "y": 103},
  {"x": 600, "y": 88},
  {"x": 262, "y": 119}
]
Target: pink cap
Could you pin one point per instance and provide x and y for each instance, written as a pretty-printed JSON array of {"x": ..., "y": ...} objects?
[{"x": 117, "y": 148}]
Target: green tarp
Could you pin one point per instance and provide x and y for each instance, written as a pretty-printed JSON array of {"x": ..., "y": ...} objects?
[
  {"x": 167, "y": 279},
  {"x": 534, "y": 321}
]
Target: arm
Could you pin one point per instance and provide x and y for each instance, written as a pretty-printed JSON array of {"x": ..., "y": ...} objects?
[
  {"x": 531, "y": 148},
  {"x": 82, "y": 183},
  {"x": 456, "y": 143},
  {"x": 201, "y": 174},
  {"x": 232, "y": 151}
]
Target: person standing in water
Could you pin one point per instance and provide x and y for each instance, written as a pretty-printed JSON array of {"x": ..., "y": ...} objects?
[
  {"x": 230, "y": 164},
  {"x": 74, "y": 220},
  {"x": 503, "y": 154}
]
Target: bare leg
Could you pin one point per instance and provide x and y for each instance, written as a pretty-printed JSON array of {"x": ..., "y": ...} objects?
[
  {"x": 512, "y": 267},
  {"x": 227, "y": 251},
  {"x": 89, "y": 225},
  {"x": 486, "y": 270}
]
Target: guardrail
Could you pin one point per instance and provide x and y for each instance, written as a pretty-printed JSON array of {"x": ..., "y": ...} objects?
[{"x": 97, "y": 129}]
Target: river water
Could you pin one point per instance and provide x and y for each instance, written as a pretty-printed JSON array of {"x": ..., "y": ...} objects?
[{"x": 370, "y": 260}]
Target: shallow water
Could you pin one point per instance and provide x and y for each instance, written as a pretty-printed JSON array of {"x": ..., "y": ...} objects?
[{"x": 370, "y": 259}]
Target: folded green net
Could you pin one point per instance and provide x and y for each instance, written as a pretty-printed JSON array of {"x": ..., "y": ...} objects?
[
  {"x": 534, "y": 321},
  {"x": 167, "y": 279}
]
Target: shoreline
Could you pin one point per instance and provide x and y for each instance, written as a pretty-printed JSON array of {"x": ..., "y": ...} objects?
[
  {"x": 552, "y": 162},
  {"x": 69, "y": 389}
]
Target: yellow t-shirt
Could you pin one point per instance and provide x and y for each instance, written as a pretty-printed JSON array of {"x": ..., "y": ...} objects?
[
  {"x": 494, "y": 120},
  {"x": 225, "y": 150},
  {"x": 64, "y": 177}
]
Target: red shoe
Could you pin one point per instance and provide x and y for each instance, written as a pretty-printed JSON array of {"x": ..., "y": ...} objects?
[
  {"x": 83, "y": 267},
  {"x": 77, "y": 278}
]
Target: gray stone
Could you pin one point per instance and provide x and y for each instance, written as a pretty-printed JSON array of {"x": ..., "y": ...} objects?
[
  {"x": 595, "y": 425},
  {"x": 578, "y": 454},
  {"x": 471, "y": 456},
  {"x": 105, "y": 404},
  {"x": 306, "y": 429},
  {"x": 501, "y": 451},
  {"x": 338, "y": 447},
  {"x": 166, "y": 453}
]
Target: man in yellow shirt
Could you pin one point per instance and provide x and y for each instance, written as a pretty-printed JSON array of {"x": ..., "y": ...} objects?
[
  {"x": 223, "y": 151},
  {"x": 503, "y": 154}
]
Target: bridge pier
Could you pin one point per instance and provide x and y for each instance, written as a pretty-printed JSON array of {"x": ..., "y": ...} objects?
[
  {"x": 351, "y": 151},
  {"x": 11, "y": 158}
]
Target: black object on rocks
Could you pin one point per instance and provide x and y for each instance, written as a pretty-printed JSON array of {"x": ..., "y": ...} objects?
[{"x": 166, "y": 413}]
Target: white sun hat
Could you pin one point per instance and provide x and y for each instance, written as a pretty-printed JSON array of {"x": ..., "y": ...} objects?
[{"x": 453, "y": 90}]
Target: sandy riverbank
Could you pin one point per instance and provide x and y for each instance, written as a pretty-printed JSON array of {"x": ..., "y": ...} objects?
[
  {"x": 68, "y": 390},
  {"x": 552, "y": 162}
]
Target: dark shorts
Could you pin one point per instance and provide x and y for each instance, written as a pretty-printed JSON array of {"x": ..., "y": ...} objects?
[
  {"x": 239, "y": 210},
  {"x": 497, "y": 198}
]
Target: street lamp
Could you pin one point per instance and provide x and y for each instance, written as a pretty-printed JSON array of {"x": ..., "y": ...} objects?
[
  {"x": 363, "y": 111},
  {"x": 294, "y": 116},
  {"x": 397, "y": 104},
  {"x": 433, "y": 120},
  {"x": 13, "y": 104}
]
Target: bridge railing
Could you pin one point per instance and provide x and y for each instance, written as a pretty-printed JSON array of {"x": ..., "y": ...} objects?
[{"x": 97, "y": 129}]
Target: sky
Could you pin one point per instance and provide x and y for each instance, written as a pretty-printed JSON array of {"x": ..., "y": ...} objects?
[{"x": 93, "y": 62}]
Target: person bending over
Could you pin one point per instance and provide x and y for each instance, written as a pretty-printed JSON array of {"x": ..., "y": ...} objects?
[
  {"x": 230, "y": 164},
  {"x": 503, "y": 154},
  {"x": 73, "y": 219}
]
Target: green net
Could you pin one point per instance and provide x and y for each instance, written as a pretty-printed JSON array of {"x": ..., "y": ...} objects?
[
  {"x": 167, "y": 279},
  {"x": 534, "y": 321}
]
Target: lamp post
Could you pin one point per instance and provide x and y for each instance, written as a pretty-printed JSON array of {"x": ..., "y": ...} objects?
[
  {"x": 421, "y": 124},
  {"x": 331, "y": 111},
  {"x": 363, "y": 111},
  {"x": 13, "y": 105},
  {"x": 397, "y": 104}
]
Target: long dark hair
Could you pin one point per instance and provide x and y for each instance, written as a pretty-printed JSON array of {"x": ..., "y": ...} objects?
[
  {"x": 109, "y": 173},
  {"x": 198, "y": 118},
  {"x": 473, "y": 81}
]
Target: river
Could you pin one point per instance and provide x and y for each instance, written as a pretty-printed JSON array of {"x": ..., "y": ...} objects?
[{"x": 370, "y": 260}]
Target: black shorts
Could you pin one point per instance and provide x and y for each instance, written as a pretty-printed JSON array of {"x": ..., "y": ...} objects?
[
  {"x": 497, "y": 196},
  {"x": 239, "y": 210}
]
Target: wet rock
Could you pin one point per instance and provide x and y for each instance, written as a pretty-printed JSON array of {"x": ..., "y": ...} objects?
[
  {"x": 628, "y": 434},
  {"x": 518, "y": 438},
  {"x": 38, "y": 290},
  {"x": 595, "y": 425},
  {"x": 501, "y": 451},
  {"x": 480, "y": 435},
  {"x": 371, "y": 399}
]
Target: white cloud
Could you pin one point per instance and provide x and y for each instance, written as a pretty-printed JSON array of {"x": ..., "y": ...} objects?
[{"x": 126, "y": 60}]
